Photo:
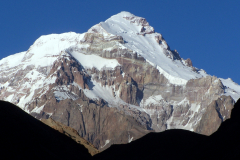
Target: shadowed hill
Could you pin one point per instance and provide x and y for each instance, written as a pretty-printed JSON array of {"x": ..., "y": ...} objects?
[
  {"x": 72, "y": 133},
  {"x": 182, "y": 144},
  {"x": 24, "y": 137}
]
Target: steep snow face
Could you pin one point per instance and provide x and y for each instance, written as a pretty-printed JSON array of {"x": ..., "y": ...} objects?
[
  {"x": 141, "y": 38},
  {"x": 11, "y": 61},
  {"x": 46, "y": 49},
  {"x": 232, "y": 89},
  {"x": 43, "y": 52}
]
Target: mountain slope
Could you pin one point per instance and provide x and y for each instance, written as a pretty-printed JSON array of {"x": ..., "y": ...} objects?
[{"x": 115, "y": 83}]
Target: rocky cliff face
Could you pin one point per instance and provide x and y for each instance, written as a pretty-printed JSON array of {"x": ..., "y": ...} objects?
[{"x": 114, "y": 84}]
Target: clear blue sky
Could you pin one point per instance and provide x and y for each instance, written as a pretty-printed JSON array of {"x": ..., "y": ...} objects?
[{"x": 206, "y": 31}]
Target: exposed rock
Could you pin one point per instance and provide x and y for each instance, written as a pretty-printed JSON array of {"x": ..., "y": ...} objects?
[
  {"x": 217, "y": 112},
  {"x": 188, "y": 62},
  {"x": 139, "y": 21}
]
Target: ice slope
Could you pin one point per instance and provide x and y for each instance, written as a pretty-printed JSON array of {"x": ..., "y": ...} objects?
[
  {"x": 147, "y": 46},
  {"x": 47, "y": 48},
  {"x": 43, "y": 52},
  {"x": 90, "y": 61},
  {"x": 232, "y": 89},
  {"x": 11, "y": 61}
]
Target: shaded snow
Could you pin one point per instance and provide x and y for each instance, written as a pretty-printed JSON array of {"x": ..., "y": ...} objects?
[
  {"x": 232, "y": 89},
  {"x": 106, "y": 142},
  {"x": 151, "y": 100},
  {"x": 195, "y": 107},
  {"x": 38, "y": 109}
]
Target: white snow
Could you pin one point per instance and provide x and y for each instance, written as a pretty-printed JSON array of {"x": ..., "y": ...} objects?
[
  {"x": 130, "y": 139},
  {"x": 106, "y": 142},
  {"x": 61, "y": 95},
  {"x": 184, "y": 102},
  {"x": 80, "y": 106},
  {"x": 195, "y": 107},
  {"x": 147, "y": 47},
  {"x": 38, "y": 109},
  {"x": 50, "y": 114},
  {"x": 43, "y": 52},
  {"x": 177, "y": 124},
  {"x": 63, "y": 92},
  {"x": 123, "y": 74},
  {"x": 90, "y": 61},
  {"x": 11, "y": 61},
  {"x": 46, "y": 49},
  {"x": 9, "y": 98},
  {"x": 172, "y": 79},
  {"x": 203, "y": 73},
  {"x": 151, "y": 100},
  {"x": 232, "y": 88}
]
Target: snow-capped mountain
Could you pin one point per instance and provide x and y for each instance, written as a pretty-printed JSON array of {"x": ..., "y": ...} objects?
[{"x": 115, "y": 83}]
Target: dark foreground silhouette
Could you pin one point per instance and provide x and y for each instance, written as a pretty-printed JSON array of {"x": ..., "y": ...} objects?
[
  {"x": 24, "y": 137},
  {"x": 182, "y": 144}
]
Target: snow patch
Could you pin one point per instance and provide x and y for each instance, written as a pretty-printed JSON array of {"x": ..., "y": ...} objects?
[
  {"x": 90, "y": 61},
  {"x": 151, "y": 100},
  {"x": 184, "y": 102},
  {"x": 11, "y": 61},
  {"x": 9, "y": 98},
  {"x": 130, "y": 139},
  {"x": 195, "y": 107},
  {"x": 37, "y": 109},
  {"x": 232, "y": 89},
  {"x": 106, "y": 142},
  {"x": 123, "y": 74}
]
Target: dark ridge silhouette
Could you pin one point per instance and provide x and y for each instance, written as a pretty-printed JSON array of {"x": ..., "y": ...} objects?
[
  {"x": 182, "y": 144},
  {"x": 24, "y": 137}
]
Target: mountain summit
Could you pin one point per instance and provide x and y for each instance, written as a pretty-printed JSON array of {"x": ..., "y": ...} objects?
[{"x": 115, "y": 83}]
